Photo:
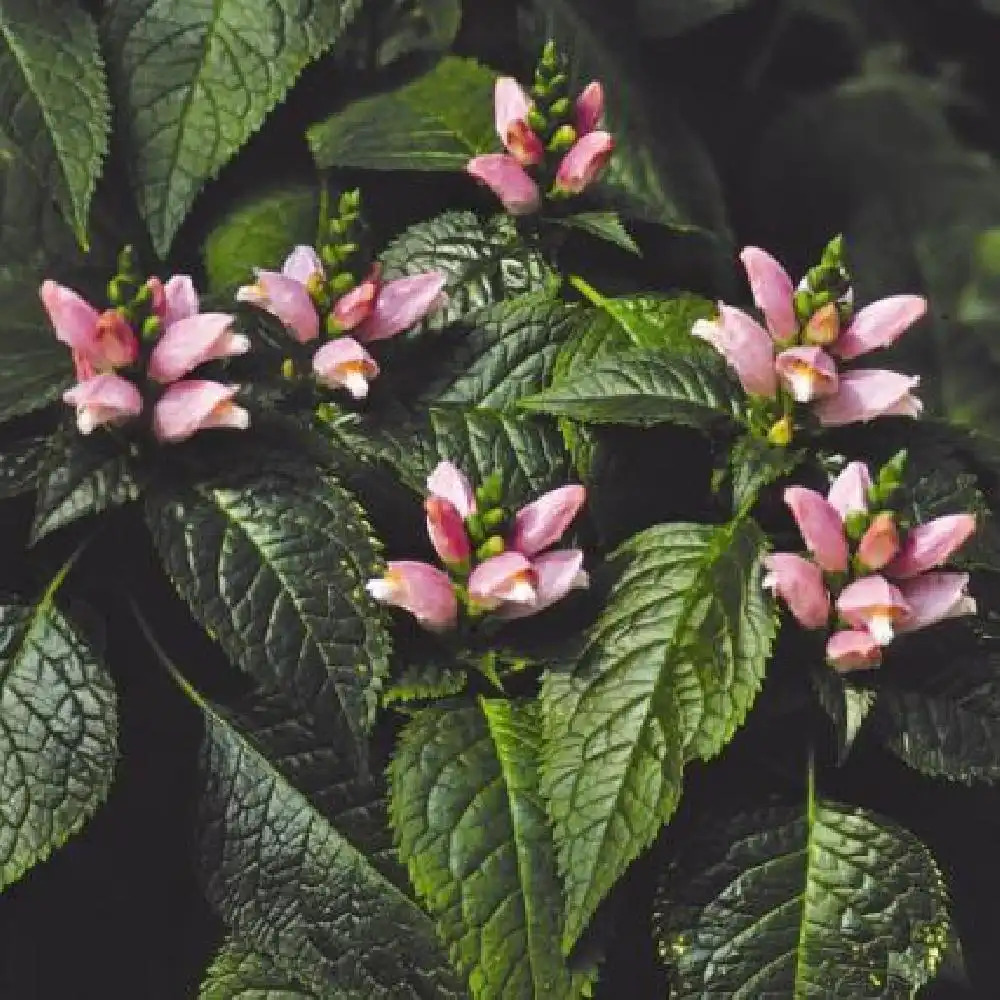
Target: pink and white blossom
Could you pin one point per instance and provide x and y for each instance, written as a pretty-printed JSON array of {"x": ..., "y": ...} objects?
[
  {"x": 102, "y": 400},
  {"x": 425, "y": 591},
  {"x": 194, "y": 405}
]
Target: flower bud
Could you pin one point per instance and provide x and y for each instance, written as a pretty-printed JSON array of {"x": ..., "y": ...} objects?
[
  {"x": 494, "y": 518},
  {"x": 490, "y": 492},
  {"x": 342, "y": 282},
  {"x": 879, "y": 544},
  {"x": 288, "y": 368},
  {"x": 493, "y": 546},
  {"x": 823, "y": 326},
  {"x": 855, "y": 524},
  {"x": 562, "y": 140},
  {"x": 447, "y": 533},
  {"x": 803, "y": 303},
  {"x": 560, "y": 108},
  {"x": 536, "y": 120},
  {"x": 151, "y": 327},
  {"x": 781, "y": 432}
]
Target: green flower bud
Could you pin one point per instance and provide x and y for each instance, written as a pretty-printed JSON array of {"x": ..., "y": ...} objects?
[
  {"x": 536, "y": 120},
  {"x": 126, "y": 261},
  {"x": 288, "y": 368},
  {"x": 833, "y": 253},
  {"x": 550, "y": 54},
  {"x": 143, "y": 296},
  {"x": 341, "y": 283},
  {"x": 493, "y": 546},
  {"x": 117, "y": 291},
  {"x": 474, "y": 525},
  {"x": 803, "y": 304},
  {"x": 493, "y": 518},
  {"x": 560, "y": 108},
  {"x": 564, "y": 137},
  {"x": 781, "y": 432},
  {"x": 490, "y": 491},
  {"x": 151, "y": 327},
  {"x": 855, "y": 524}
]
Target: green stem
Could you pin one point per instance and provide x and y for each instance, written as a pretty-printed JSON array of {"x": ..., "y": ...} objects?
[{"x": 158, "y": 651}]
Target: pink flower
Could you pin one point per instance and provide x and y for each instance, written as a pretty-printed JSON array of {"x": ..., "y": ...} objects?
[
  {"x": 195, "y": 405},
  {"x": 424, "y": 591},
  {"x": 867, "y": 393},
  {"x": 302, "y": 265},
  {"x": 556, "y": 574},
  {"x": 820, "y": 526},
  {"x": 180, "y": 300},
  {"x": 930, "y": 545},
  {"x": 873, "y": 604},
  {"x": 745, "y": 345},
  {"x": 772, "y": 291},
  {"x": 345, "y": 363},
  {"x": 401, "y": 304},
  {"x": 878, "y": 325},
  {"x": 589, "y": 108},
  {"x": 879, "y": 543},
  {"x": 286, "y": 298},
  {"x": 540, "y": 524},
  {"x": 446, "y": 530},
  {"x": 103, "y": 399},
  {"x": 192, "y": 341},
  {"x": 507, "y": 179},
  {"x": 852, "y": 649},
  {"x": 799, "y": 583},
  {"x": 449, "y": 483},
  {"x": 848, "y": 493},
  {"x": 511, "y": 105},
  {"x": 357, "y": 305},
  {"x": 933, "y": 597},
  {"x": 508, "y": 577},
  {"x": 823, "y": 327},
  {"x": 584, "y": 162},
  {"x": 807, "y": 372}
]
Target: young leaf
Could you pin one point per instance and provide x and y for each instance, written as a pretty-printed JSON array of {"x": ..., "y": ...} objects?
[
  {"x": 798, "y": 902},
  {"x": 644, "y": 388},
  {"x": 192, "y": 87},
  {"x": 274, "y": 567},
  {"x": 484, "y": 261},
  {"x": 668, "y": 673},
  {"x": 54, "y": 101},
  {"x": 240, "y": 973},
  {"x": 21, "y": 464},
  {"x": 424, "y": 682},
  {"x": 606, "y": 226},
  {"x": 437, "y": 122},
  {"x": 58, "y": 733},
  {"x": 81, "y": 476},
  {"x": 470, "y": 776}
]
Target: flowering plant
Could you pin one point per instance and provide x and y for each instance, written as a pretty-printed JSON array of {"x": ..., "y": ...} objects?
[{"x": 511, "y": 629}]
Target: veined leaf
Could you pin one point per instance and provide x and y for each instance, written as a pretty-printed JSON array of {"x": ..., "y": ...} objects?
[
  {"x": 54, "y": 101},
  {"x": 606, "y": 226},
  {"x": 424, "y": 682},
  {"x": 437, "y": 122},
  {"x": 58, "y": 733},
  {"x": 470, "y": 777},
  {"x": 644, "y": 388},
  {"x": 274, "y": 567},
  {"x": 484, "y": 262},
  {"x": 239, "y": 973},
  {"x": 21, "y": 464},
  {"x": 195, "y": 82},
  {"x": 668, "y": 673},
  {"x": 820, "y": 901},
  {"x": 394, "y": 29}
]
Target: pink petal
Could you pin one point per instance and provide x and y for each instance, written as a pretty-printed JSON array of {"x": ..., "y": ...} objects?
[
  {"x": 541, "y": 523},
  {"x": 194, "y": 341},
  {"x": 772, "y": 291},
  {"x": 799, "y": 583},
  {"x": 933, "y": 597},
  {"x": 103, "y": 399},
  {"x": 344, "y": 363},
  {"x": 930, "y": 545},
  {"x": 302, "y": 264},
  {"x": 557, "y": 573},
  {"x": 507, "y": 179},
  {"x": 506, "y": 577},
  {"x": 807, "y": 372},
  {"x": 745, "y": 345},
  {"x": 402, "y": 303},
  {"x": 448, "y": 482},
  {"x": 356, "y": 306},
  {"x": 446, "y": 530},
  {"x": 879, "y": 543},
  {"x": 852, "y": 649},
  {"x": 589, "y": 108},
  {"x": 820, "y": 526},
  {"x": 423, "y": 590},
  {"x": 524, "y": 144},
  {"x": 73, "y": 318},
  {"x": 115, "y": 343},
  {"x": 582, "y": 165},
  {"x": 849, "y": 491},
  {"x": 880, "y": 324},
  {"x": 867, "y": 393},
  {"x": 194, "y": 405},
  {"x": 874, "y": 604},
  {"x": 511, "y": 104},
  {"x": 823, "y": 326},
  {"x": 286, "y": 299},
  {"x": 180, "y": 299}
]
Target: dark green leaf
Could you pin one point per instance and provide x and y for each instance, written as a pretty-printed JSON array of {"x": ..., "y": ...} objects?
[
  {"x": 82, "y": 476},
  {"x": 260, "y": 232},
  {"x": 470, "y": 777},
  {"x": 644, "y": 388},
  {"x": 239, "y": 973},
  {"x": 812, "y": 902},
  {"x": 604, "y": 225},
  {"x": 666, "y": 18},
  {"x": 394, "y": 29},
  {"x": 668, "y": 674},
  {"x": 665, "y": 178},
  {"x": 21, "y": 464},
  {"x": 437, "y": 122},
  {"x": 54, "y": 101},
  {"x": 194, "y": 85},
  {"x": 847, "y": 705},
  {"x": 484, "y": 261},
  {"x": 424, "y": 682},
  {"x": 274, "y": 567},
  {"x": 58, "y": 733}
]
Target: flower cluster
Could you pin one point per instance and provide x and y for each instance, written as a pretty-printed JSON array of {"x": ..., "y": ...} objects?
[
  {"x": 555, "y": 147},
  {"x": 810, "y": 332},
  {"x": 317, "y": 295},
  {"x": 136, "y": 356},
  {"x": 496, "y": 561},
  {"x": 886, "y": 585}
]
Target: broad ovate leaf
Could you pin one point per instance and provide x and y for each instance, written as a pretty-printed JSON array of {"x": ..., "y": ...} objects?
[
  {"x": 239, "y": 973},
  {"x": 194, "y": 81},
  {"x": 54, "y": 100},
  {"x": 469, "y": 777},
  {"x": 667, "y": 674},
  {"x": 811, "y": 902}
]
